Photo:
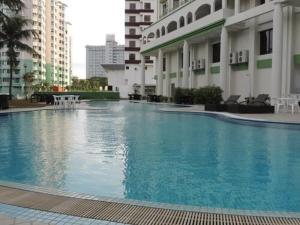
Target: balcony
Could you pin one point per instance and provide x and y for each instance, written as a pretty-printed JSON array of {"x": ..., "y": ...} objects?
[{"x": 191, "y": 18}]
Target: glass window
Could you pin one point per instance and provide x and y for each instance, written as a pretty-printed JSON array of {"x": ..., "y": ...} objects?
[
  {"x": 216, "y": 52},
  {"x": 266, "y": 42}
]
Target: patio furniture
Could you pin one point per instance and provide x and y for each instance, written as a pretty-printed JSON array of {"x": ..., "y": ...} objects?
[
  {"x": 154, "y": 98},
  {"x": 233, "y": 99},
  {"x": 279, "y": 103},
  {"x": 259, "y": 105},
  {"x": 135, "y": 97},
  {"x": 293, "y": 104}
]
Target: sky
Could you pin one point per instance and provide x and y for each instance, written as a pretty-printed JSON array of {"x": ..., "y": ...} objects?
[{"x": 91, "y": 20}]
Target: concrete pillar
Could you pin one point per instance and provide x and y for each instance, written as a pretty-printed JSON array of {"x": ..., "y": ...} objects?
[
  {"x": 168, "y": 79},
  {"x": 192, "y": 58},
  {"x": 224, "y": 4},
  {"x": 237, "y": 6},
  {"x": 160, "y": 72},
  {"x": 178, "y": 80},
  {"x": 207, "y": 62},
  {"x": 143, "y": 78},
  {"x": 224, "y": 61},
  {"x": 252, "y": 55},
  {"x": 185, "y": 83},
  {"x": 277, "y": 50}
]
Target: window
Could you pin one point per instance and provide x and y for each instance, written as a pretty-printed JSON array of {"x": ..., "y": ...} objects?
[
  {"x": 147, "y": 5},
  {"x": 127, "y": 67},
  {"x": 131, "y": 56},
  {"x": 147, "y": 18},
  {"x": 132, "y": 19},
  {"x": 132, "y": 6},
  {"x": 131, "y": 43},
  {"x": 260, "y": 2},
  {"x": 266, "y": 42},
  {"x": 216, "y": 52},
  {"x": 164, "y": 64},
  {"x": 132, "y": 31}
]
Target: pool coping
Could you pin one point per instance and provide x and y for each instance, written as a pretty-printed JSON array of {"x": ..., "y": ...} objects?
[{"x": 236, "y": 212}]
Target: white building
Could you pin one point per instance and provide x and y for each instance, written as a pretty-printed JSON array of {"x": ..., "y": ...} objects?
[
  {"x": 110, "y": 53},
  {"x": 246, "y": 47},
  {"x": 139, "y": 14},
  {"x": 52, "y": 63}
]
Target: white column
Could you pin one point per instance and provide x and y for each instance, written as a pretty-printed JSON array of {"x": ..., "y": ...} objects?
[
  {"x": 224, "y": 61},
  {"x": 252, "y": 55},
  {"x": 143, "y": 75},
  {"x": 168, "y": 79},
  {"x": 237, "y": 6},
  {"x": 224, "y": 4},
  {"x": 277, "y": 51},
  {"x": 185, "y": 82},
  {"x": 160, "y": 72},
  {"x": 192, "y": 58},
  {"x": 207, "y": 62},
  {"x": 178, "y": 68}
]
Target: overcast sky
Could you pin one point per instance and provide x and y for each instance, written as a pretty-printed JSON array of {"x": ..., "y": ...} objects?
[{"x": 91, "y": 21}]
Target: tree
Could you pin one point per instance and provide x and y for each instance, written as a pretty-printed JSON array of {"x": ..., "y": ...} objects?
[
  {"x": 29, "y": 79},
  {"x": 14, "y": 31},
  {"x": 14, "y": 5}
]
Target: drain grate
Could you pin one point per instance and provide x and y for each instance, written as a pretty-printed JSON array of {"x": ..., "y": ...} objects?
[{"x": 129, "y": 214}]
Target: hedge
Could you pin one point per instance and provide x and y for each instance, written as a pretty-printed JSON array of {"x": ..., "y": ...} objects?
[{"x": 108, "y": 95}]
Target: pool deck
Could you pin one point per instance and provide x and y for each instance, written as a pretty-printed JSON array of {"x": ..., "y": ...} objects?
[{"x": 124, "y": 212}]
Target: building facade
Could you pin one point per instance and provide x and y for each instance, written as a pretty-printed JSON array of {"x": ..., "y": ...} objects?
[
  {"x": 52, "y": 61},
  {"x": 139, "y": 14},
  {"x": 110, "y": 53},
  {"x": 247, "y": 47}
]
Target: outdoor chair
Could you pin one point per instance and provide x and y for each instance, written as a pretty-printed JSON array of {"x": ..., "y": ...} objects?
[
  {"x": 233, "y": 99},
  {"x": 293, "y": 104}
]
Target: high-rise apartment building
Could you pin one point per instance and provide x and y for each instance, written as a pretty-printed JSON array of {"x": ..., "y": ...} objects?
[
  {"x": 139, "y": 14},
  {"x": 110, "y": 53},
  {"x": 52, "y": 61}
]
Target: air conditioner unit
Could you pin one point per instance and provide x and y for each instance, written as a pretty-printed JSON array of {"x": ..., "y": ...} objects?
[
  {"x": 243, "y": 56},
  {"x": 233, "y": 59},
  {"x": 193, "y": 65},
  {"x": 201, "y": 64}
]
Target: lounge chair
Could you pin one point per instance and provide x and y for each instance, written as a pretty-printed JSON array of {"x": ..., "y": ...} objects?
[
  {"x": 232, "y": 100},
  {"x": 259, "y": 105}
]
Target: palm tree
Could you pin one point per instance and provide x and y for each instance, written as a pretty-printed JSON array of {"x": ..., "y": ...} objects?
[
  {"x": 29, "y": 79},
  {"x": 15, "y": 5},
  {"x": 14, "y": 31}
]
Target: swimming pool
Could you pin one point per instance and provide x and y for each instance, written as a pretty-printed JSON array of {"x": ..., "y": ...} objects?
[{"x": 133, "y": 151}]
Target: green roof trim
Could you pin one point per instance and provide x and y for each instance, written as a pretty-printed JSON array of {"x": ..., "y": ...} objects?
[
  {"x": 264, "y": 64},
  {"x": 297, "y": 59},
  {"x": 202, "y": 31},
  {"x": 215, "y": 70}
]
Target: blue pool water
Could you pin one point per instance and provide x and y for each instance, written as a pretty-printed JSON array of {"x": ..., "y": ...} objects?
[{"x": 133, "y": 151}]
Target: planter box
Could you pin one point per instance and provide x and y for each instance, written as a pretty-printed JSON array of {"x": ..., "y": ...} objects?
[
  {"x": 216, "y": 107},
  {"x": 4, "y": 101},
  {"x": 251, "y": 109}
]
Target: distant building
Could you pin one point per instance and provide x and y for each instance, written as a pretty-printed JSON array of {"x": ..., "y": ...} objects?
[
  {"x": 139, "y": 14},
  {"x": 111, "y": 53},
  {"x": 52, "y": 64}
]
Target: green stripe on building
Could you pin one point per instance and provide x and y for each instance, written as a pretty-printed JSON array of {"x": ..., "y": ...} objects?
[
  {"x": 297, "y": 59},
  {"x": 199, "y": 72},
  {"x": 240, "y": 67},
  {"x": 215, "y": 70},
  {"x": 264, "y": 64}
]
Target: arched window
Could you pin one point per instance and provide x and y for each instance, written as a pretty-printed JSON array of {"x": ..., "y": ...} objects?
[
  {"x": 181, "y": 22},
  {"x": 157, "y": 33},
  {"x": 202, "y": 11},
  {"x": 150, "y": 36},
  {"x": 163, "y": 31},
  {"x": 218, "y": 5},
  {"x": 189, "y": 18},
  {"x": 172, "y": 26}
]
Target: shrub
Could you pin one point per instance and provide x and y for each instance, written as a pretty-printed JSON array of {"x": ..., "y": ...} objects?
[{"x": 204, "y": 95}]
